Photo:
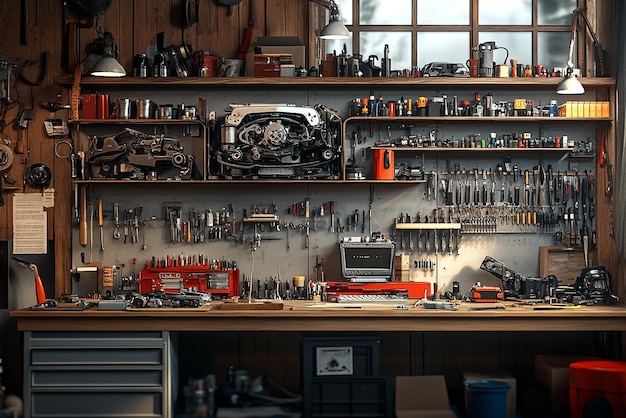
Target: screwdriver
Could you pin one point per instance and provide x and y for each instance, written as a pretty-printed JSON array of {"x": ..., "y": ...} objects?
[{"x": 363, "y": 223}]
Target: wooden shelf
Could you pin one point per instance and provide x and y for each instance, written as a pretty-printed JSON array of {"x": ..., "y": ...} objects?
[
  {"x": 136, "y": 122},
  {"x": 373, "y": 181},
  {"x": 427, "y": 225},
  {"x": 452, "y": 149},
  {"x": 473, "y": 119},
  {"x": 262, "y": 218},
  {"x": 245, "y": 181},
  {"x": 138, "y": 83}
]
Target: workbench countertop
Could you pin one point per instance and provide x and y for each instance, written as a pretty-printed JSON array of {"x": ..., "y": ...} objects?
[{"x": 311, "y": 316}]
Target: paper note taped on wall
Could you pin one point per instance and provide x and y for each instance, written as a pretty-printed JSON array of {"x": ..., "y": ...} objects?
[{"x": 29, "y": 224}]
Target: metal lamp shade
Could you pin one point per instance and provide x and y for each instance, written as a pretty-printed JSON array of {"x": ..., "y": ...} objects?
[{"x": 108, "y": 67}]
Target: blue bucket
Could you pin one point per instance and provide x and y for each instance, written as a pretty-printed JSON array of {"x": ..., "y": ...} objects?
[{"x": 486, "y": 398}]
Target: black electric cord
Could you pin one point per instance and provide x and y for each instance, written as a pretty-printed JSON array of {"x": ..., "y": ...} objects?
[{"x": 6, "y": 105}]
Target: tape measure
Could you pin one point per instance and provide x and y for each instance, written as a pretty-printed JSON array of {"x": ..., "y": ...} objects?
[
  {"x": 38, "y": 176},
  {"x": 6, "y": 157}
]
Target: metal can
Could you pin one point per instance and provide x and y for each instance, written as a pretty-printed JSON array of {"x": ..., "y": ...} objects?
[
  {"x": 141, "y": 65},
  {"x": 159, "y": 65}
]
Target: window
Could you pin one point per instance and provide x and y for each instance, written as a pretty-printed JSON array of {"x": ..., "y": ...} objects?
[{"x": 423, "y": 31}]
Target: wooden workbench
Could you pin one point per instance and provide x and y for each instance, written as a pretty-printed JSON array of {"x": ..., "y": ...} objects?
[
  {"x": 309, "y": 316},
  {"x": 77, "y": 346}
]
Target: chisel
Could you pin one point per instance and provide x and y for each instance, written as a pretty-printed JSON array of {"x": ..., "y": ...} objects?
[{"x": 100, "y": 222}]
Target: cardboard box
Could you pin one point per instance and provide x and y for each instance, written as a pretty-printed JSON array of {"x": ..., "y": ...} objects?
[
  {"x": 277, "y": 45},
  {"x": 552, "y": 372},
  {"x": 584, "y": 109},
  {"x": 401, "y": 262},
  {"x": 565, "y": 263},
  {"x": 511, "y": 398},
  {"x": 297, "y": 53},
  {"x": 283, "y": 45},
  {"x": 270, "y": 65},
  {"x": 401, "y": 276},
  {"x": 422, "y": 397}
]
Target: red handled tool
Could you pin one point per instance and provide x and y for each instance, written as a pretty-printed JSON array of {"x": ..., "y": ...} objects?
[
  {"x": 602, "y": 152},
  {"x": 39, "y": 290},
  {"x": 247, "y": 37}
]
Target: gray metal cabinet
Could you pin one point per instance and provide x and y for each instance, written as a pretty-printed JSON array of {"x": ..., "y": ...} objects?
[{"x": 97, "y": 374}]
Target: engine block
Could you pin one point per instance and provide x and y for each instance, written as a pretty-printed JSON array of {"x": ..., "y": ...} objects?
[{"x": 268, "y": 140}]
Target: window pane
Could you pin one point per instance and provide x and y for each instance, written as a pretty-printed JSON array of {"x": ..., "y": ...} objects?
[
  {"x": 519, "y": 45},
  {"x": 449, "y": 12},
  {"x": 553, "y": 49},
  {"x": 555, "y": 12},
  {"x": 373, "y": 43},
  {"x": 345, "y": 11},
  {"x": 501, "y": 12},
  {"x": 376, "y": 12},
  {"x": 453, "y": 47},
  {"x": 337, "y": 45}
]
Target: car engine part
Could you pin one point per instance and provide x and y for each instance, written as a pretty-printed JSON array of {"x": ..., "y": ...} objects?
[
  {"x": 445, "y": 69},
  {"x": 593, "y": 285},
  {"x": 518, "y": 285},
  {"x": 266, "y": 140},
  {"x": 133, "y": 154}
]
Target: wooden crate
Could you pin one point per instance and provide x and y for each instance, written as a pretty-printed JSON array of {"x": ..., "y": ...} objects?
[{"x": 565, "y": 263}]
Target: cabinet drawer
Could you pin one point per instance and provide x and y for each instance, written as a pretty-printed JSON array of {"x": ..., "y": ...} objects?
[
  {"x": 96, "y": 404},
  {"x": 95, "y": 339},
  {"x": 96, "y": 378},
  {"x": 121, "y": 356}
]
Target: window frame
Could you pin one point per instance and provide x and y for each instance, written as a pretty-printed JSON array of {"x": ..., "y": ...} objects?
[{"x": 473, "y": 28}]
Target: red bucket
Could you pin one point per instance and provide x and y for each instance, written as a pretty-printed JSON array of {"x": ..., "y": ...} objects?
[{"x": 597, "y": 389}]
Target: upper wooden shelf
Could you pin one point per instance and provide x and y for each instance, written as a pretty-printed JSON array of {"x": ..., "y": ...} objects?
[
  {"x": 330, "y": 82},
  {"x": 135, "y": 122},
  {"x": 473, "y": 119}
]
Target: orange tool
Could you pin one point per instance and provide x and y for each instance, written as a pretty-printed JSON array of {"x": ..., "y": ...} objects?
[{"x": 39, "y": 290}]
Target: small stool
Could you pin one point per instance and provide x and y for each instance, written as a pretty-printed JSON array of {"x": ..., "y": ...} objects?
[{"x": 597, "y": 389}]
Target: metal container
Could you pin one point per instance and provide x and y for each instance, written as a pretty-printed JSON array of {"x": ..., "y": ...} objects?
[
  {"x": 230, "y": 67},
  {"x": 123, "y": 108},
  {"x": 145, "y": 109},
  {"x": 190, "y": 112},
  {"x": 165, "y": 111},
  {"x": 140, "y": 65}
]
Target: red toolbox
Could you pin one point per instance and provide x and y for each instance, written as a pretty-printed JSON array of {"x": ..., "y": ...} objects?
[{"x": 200, "y": 278}]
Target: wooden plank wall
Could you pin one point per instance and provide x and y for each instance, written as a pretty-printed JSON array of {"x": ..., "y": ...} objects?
[
  {"x": 43, "y": 34},
  {"x": 134, "y": 26},
  {"x": 219, "y": 30},
  {"x": 277, "y": 355}
]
